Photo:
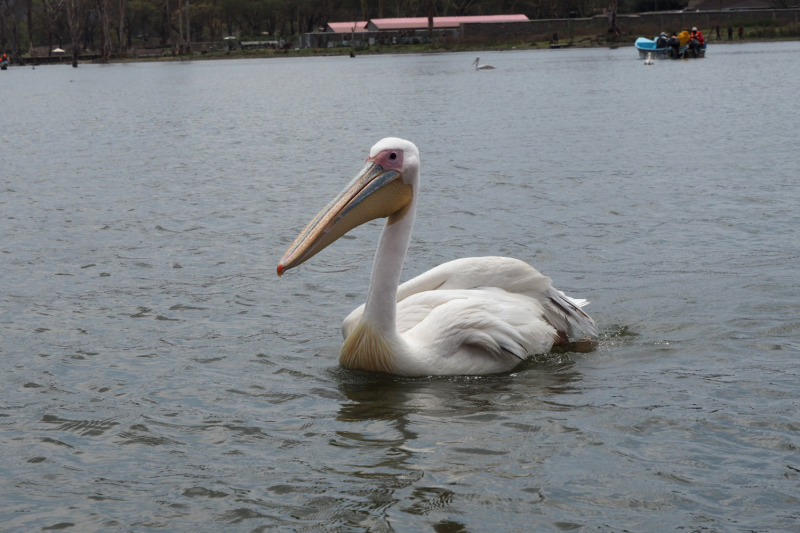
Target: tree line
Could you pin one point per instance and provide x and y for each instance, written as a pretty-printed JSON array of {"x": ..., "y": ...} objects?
[{"x": 109, "y": 27}]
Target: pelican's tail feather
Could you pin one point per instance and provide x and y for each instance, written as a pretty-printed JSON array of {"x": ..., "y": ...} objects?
[{"x": 565, "y": 314}]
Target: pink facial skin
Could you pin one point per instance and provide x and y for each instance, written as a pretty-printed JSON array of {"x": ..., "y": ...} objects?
[{"x": 389, "y": 159}]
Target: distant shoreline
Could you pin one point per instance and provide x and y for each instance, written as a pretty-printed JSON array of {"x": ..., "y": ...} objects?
[
  {"x": 416, "y": 49},
  {"x": 583, "y": 42},
  {"x": 419, "y": 49}
]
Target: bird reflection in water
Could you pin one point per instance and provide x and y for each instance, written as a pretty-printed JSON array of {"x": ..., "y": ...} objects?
[
  {"x": 418, "y": 441},
  {"x": 389, "y": 398}
]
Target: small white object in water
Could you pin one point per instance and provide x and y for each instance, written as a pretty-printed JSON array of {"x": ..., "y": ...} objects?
[{"x": 649, "y": 60}]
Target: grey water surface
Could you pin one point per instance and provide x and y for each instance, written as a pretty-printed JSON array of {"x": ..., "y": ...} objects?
[{"x": 157, "y": 375}]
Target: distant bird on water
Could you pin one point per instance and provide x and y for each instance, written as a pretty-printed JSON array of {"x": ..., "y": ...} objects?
[
  {"x": 649, "y": 60},
  {"x": 485, "y": 66}
]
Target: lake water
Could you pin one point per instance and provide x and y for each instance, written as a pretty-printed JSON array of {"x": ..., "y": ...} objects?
[{"x": 158, "y": 376}]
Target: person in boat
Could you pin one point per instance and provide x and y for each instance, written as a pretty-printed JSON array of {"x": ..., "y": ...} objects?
[
  {"x": 4, "y": 59},
  {"x": 684, "y": 37},
  {"x": 674, "y": 45},
  {"x": 696, "y": 42},
  {"x": 661, "y": 41}
]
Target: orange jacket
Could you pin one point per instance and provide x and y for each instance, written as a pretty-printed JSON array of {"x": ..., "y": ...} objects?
[
  {"x": 684, "y": 37},
  {"x": 699, "y": 37}
]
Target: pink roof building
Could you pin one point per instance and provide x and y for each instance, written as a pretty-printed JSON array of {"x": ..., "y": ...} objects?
[
  {"x": 346, "y": 27},
  {"x": 419, "y": 23}
]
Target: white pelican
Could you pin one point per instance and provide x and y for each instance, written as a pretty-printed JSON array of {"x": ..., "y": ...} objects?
[
  {"x": 478, "y": 315},
  {"x": 485, "y": 66}
]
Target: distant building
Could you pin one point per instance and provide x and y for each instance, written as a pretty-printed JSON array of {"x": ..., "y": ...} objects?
[
  {"x": 419, "y": 23},
  {"x": 346, "y": 27},
  {"x": 253, "y": 45},
  {"x": 727, "y": 5},
  {"x": 394, "y": 31}
]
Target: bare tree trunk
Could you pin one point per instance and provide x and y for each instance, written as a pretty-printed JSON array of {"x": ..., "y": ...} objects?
[
  {"x": 30, "y": 27},
  {"x": 106, "y": 29},
  {"x": 51, "y": 9},
  {"x": 612, "y": 19},
  {"x": 430, "y": 18},
  {"x": 188, "y": 30},
  {"x": 169, "y": 29},
  {"x": 2, "y": 29},
  {"x": 104, "y": 10},
  {"x": 97, "y": 9},
  {"x": 75, "y": 23},
  {"x": 15, "y": 55},
  {"x": 123, "y": 48},
  {"x": 180, "y": 29}
]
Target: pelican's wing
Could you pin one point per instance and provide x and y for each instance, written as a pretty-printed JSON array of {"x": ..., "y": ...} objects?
[
  {"x": 566, "y": 315},
  {"x": 473, "y": 329},
  {"x": 511, "y": 275}
]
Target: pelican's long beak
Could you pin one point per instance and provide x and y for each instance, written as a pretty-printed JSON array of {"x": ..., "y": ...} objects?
[{"x": 373, "y": 193}]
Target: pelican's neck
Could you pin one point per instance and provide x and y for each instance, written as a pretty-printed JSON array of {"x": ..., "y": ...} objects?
[{"x": 381, "y": 306}]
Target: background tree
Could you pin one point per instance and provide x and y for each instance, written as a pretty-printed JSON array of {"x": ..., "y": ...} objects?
[
  {"x": 187, "y": 12},
  {"x": 53, "y": 9},
  {"x": 584, "y": 8},
  {"x": 123, "y": 47},
  {"x": 29, "y": 6},
  {"x": 2, "y": 30},
  {"x": 104, "y": 11},
  {"x": 613, "y": 30},
  {"x": 76, "y": 11},
  {"x": 114, "y": 26},
  {"x": 11, "y": 13}
]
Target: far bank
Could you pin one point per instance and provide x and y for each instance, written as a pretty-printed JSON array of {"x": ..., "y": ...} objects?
[{"x": 718, "y": 27}]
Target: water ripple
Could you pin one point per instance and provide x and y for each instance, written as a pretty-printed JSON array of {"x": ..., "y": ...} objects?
[{"x": 158, "y": 376}]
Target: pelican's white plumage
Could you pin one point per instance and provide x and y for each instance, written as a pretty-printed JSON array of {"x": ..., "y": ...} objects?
[
  {"x": 485, "y": 66},
  {"x": 472, "y": 316}
]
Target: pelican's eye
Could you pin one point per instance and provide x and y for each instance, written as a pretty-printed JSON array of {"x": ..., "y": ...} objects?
[{"x": 393, "y": 155}]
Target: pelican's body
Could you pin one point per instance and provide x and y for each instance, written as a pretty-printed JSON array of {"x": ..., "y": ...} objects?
[
  {"x": 472, "y": 316},
  {"x": 485, "y": 66}
]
